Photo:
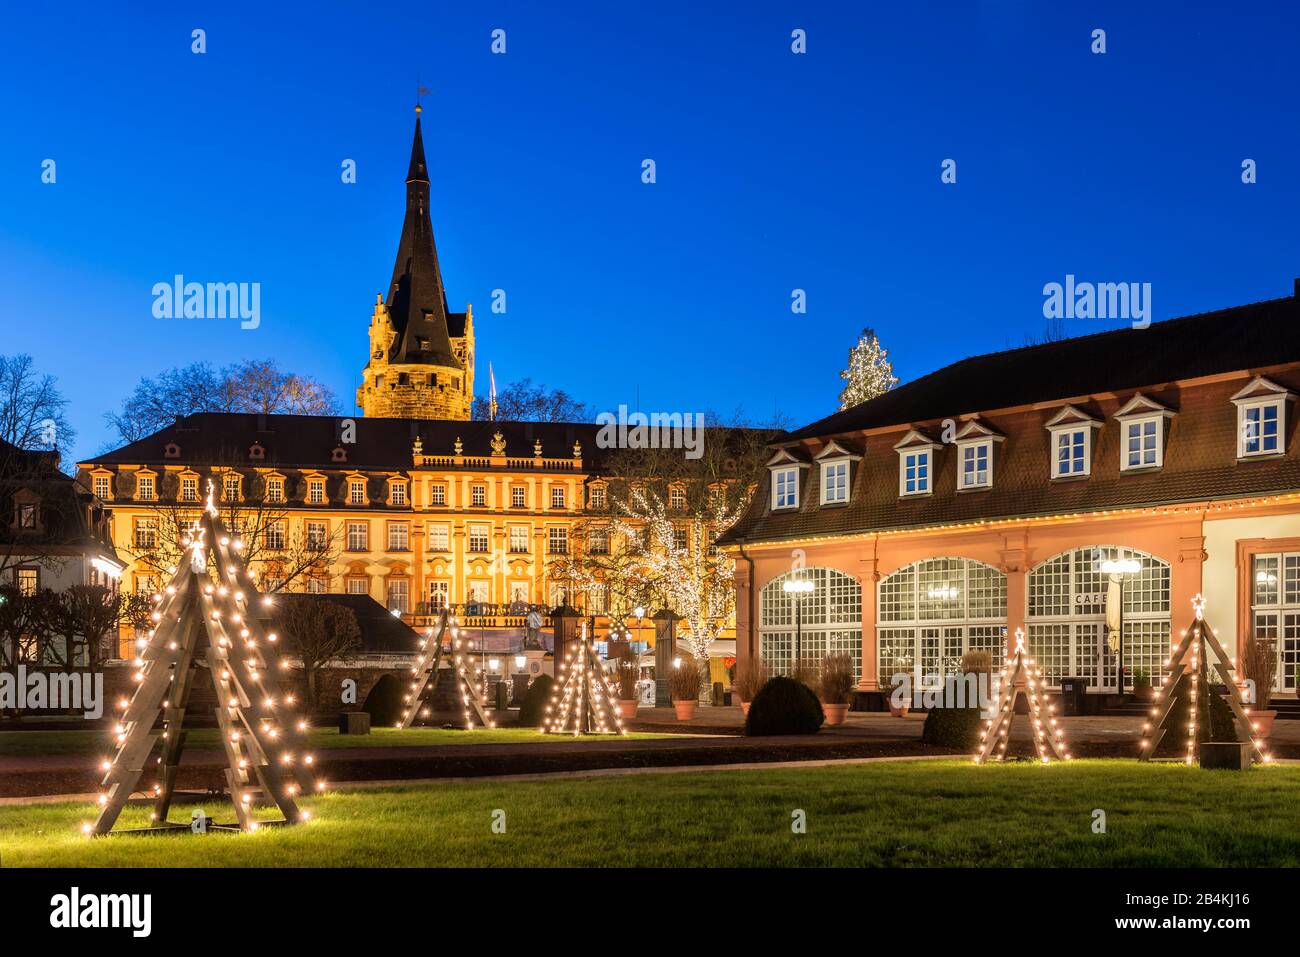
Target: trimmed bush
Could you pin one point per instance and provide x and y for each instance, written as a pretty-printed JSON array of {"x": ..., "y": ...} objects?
[
  {"x": 533, "y": 706},
  {"x": 952, "y": 728},
  {"x": 784, "y": 706}
]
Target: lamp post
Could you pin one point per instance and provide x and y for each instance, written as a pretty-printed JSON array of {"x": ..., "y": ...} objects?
[
  {"x": 639, "y": 611},
  {"x": 797, "y": 588},
  {"x": 1117, "y": 569}
]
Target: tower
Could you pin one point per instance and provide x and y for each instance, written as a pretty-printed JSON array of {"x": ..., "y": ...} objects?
[{"x": 421, "y": 361}]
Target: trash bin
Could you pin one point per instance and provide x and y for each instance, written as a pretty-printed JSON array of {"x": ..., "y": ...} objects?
[{"x": 1073, "y": 696}]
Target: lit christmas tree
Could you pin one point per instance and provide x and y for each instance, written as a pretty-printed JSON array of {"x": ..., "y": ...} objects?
[
  {"x": 869, "y": 374},
  {"x": 582, "y": 702}
]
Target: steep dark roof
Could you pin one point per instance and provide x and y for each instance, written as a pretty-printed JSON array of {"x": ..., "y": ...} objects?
[
  {"x": 381, "y": 631},
  {"x": 1244, "y": 337},
  {"x": 299, "y": 441},
  {"x": 70, "y": 516},
  {"x": 417, "y": 301}
]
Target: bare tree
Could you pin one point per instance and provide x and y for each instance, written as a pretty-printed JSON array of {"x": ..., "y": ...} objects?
[
  {"x": 318, "y": 631},
  {"x": 31, "y": 407},
  {"x": 90, "y": 615},
  {"x": 257, "y": 386},
  {"x": 523, "y": 401}
]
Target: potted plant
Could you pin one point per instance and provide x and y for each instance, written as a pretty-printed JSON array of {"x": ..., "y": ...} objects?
[
  {"x": 750, "y": 676},
  {"x": 888, "y": 687},
  {"x": 1259, "y": 664},
  {"x": 837, "y": 682},
  {"x": 1141, "y": 683},
  {"x": 629, "y": 673},
  {"x": 684, "y": 685}
]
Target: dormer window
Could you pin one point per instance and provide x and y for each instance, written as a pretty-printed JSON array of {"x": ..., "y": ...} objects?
[
  {"x": 975, "y": 444},
  {"x": 786, "y": 473},
  {"x": 1071, "y": 431},
  {"x": 1261, "y": 419},
  {"x": 836, "y": 464},
  {"x": 25, "y": 517},
  {"x": 231, "y": 486},
  {"x": 357, "y": 491},
  {"x": 1142, "y": 434},
  {"x": 915, "y": 464},
  {"x": 316, "y": 491},
  {"x": 275, "y": 489},
  {"x": 144, "y": 488},
  {"x": 189, "y": 488},
  {"x": 397, "y": 492}
]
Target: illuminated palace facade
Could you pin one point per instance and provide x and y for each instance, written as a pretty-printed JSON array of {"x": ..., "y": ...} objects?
[
  {"x": 983, "y": 498},
  {"x": 423, "y": 508}
]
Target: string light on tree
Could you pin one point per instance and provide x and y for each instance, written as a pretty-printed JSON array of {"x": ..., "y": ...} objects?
[
  {"x": 582, "y": 701},
  {"x": 424, "y": 677},
  {"x": 1047, "y": 732}
]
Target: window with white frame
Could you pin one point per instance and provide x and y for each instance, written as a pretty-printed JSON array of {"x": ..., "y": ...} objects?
[
  {"x": 1067, "y": 600},
  {"x": 397, "y": 492},
  {"x": 358, "y": 586},
  {"x": 358, "y": 536},
  {"x": 677, "y": 498},
  {"x": 438, "y": 595},
  {"x": 976, "y": 464},
  {"x": 914, "y": 471},
  {"x": 317, "y": 535},
  {"x": 275, "y": 489},
  {"x": 356, "y": 491},
  {"x": 830, "y": 620},
  {"x": 316, "y": 491},
  {"x": 835, "y": 482},
  {"x": 478, "y": 538},
  {"x": 518, "y": 496},
  {"x": 144, "y": 488},
  {"x": 1260, "y": 428},
  {"x": 189, "y": 488},
  {"x": 557, "y": 540},
  {"x": 934, "y": 611},
  {"x": 785, "y": 488},
  {"x": 598, "y": 496},
  {"x": 317, "y": 585},
  {"x": 518, "y": 539},
  {"x": 146, "y": 533},
  {"x": 478, "y": 495},
  {"x": 399, "y": 595},
  {"x": 103, "y": 486},
  {"x": 399, "y": 536},
  {"x": 557, "y": 496},
  {"x": 598, "y": 540},
  {"x": 478, "y": 591},
  {"x": 1143, "y": 443},
  {"x": 1071, "y": 451},
  {"x": 230, "y": 486},
  {"x": 275, "y": 534},
  {"x": 1275, "y": 611},
  {"x": 439, "y": 538},
  {"x": 437, "y": 493}
]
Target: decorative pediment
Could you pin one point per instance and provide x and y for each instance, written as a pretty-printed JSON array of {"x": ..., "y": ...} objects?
[
  {"x": 915, "y": 439},
  {"x": 1072, "y": 416},
  {"x": 975, "y": 430},
  {"x": 1140, "y": 407},
  {"x": 1262, "y": 388},
  {"x": 834, "y": 450},
  {"x": 784, "y": 457}
]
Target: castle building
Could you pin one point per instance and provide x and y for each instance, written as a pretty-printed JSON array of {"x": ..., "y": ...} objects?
[
  {"x": 412, "y": 504},
  {"x": 1083, "y": 491}
]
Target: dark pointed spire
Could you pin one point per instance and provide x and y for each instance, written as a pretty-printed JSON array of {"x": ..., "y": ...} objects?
[{"x": 417, "y": 301}]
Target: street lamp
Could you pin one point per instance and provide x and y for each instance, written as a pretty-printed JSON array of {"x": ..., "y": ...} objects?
[
  {"x": 520, "y": 661},
  {"x": 1117, "y": 568},
  {"x": 797, "y": 588}
]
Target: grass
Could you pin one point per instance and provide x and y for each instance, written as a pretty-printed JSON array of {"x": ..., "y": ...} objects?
[
  {"x": 34, "y": 743},
  {"x": 921, "y": 813}
]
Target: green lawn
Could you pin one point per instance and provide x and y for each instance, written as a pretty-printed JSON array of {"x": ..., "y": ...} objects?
[
  {"x": 929, "y": 813},
  {"x": 25, "y": 743}
]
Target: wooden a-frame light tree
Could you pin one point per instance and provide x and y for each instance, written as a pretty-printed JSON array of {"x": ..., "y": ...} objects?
[
  {"x": 425, "y": 677},
  {"x": 583, "y": 701},
  {"x": 207, "y": 630},
  {"x": 1189, "y": 678},
  {"x": 1049, "y": 736}
]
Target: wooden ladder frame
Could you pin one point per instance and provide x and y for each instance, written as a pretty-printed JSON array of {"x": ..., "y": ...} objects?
[{"x": 1048, "y": 735}]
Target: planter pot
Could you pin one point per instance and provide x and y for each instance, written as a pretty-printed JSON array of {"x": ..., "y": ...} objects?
[
  {"x": 685, "y": 709},
  {"x": 744, "y": 708},
  {"x": 627, "y": 709},
  {"x": 1263, "y": 721},
  {"x": 835, "y": 713},
  {"x": 1225, "y": 755}
]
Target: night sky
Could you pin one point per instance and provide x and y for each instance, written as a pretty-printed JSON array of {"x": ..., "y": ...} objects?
[{"x": 775, "y": 172}]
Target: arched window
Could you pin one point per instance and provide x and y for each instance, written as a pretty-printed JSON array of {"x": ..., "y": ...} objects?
[
  {"x": 1068, "y": 599},
  {"x": 830, "y": 616},
  {"x": 934, "y": 611}
]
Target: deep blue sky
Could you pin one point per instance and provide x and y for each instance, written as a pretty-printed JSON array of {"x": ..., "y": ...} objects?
[{"x": 775, "y": 171}]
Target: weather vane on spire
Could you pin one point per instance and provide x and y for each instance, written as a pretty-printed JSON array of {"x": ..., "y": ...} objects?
[{"x": 419, "y": 92}]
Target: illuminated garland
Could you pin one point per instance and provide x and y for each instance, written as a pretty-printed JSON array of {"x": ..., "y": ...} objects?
[
  {"x": 582, "y": 696},
  {"x": 1049, "y": 735},
  {"x": 425, "y": 670}
]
